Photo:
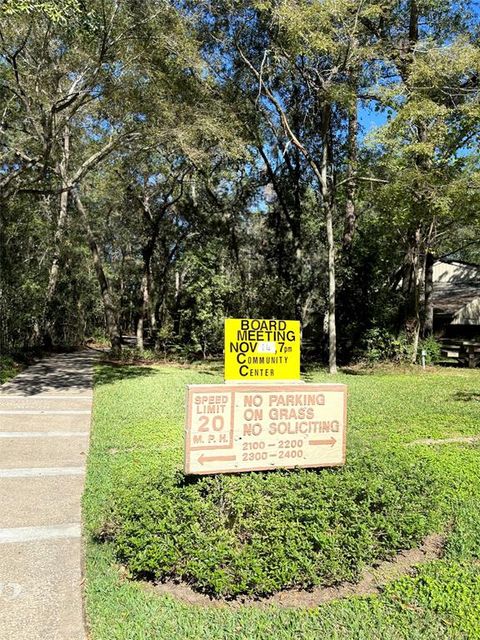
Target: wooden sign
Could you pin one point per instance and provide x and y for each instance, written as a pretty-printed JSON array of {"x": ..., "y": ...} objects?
[
  {"x": 262, "y": 350},
  {"x": 234, "y": 428}
]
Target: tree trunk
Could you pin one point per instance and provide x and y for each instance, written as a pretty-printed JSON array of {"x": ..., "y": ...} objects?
[
  {"x": 428, "y": 321},
  {"x": 332, "y": 329},
  {"x": 146, "y": 305},
  {"x": 293, "y": 277},
  {"x": 110, "y": 315},
  {"x": 150, "y": 292},
  {"x": 54, "y": 272},
  {"x": 153, "y": 321},
  {"x": 176, "y": 306},
  {"x": 412, "y": 324},
  {"x": 142, "y": 309},
  {"x": 350, "y": 212},
  {"x": 327, "y": 204}
]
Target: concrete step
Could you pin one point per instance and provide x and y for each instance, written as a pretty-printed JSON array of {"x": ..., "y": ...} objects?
[
  {"x": 39, "y": 590},
  {"x": 71, "y": 404},
  {"x": 42, "y": 422},
  {"x": 43, "y": 452},
  {"x": 40, "y": 501}
]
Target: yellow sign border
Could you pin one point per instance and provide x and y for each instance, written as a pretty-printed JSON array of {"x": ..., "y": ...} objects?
[{"x": 262, "y": 350}]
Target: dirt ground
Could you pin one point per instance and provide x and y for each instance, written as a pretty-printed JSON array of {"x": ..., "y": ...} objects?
[{"x": 371, "y": 582}]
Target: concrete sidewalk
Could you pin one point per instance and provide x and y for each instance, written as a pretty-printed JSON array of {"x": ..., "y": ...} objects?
[{"x": 45, "y": 417}]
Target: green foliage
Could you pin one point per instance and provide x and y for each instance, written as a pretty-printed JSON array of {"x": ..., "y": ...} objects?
[
  {"x": 131, "y": 355},
  {"x": 179, "y": 120},
  {"x": 99, "y": 337},
  {"x": 463, "y": 543},
  {"x": 260, "y": 533},
  {"x": 54, "y": 10},
  {"x": 9, "y": 368},
  {"x": 382, "y": 346},
  {"x": 223, "y": 534},
  {"x": 451, "y": 590},
  {"x": 379, "y": 345},
  {"x": 208, "y": 285},
  {"x": 137, "y": 445},
  {"x": 432, "y": 349},
  {"x": 120, "y": 609}
]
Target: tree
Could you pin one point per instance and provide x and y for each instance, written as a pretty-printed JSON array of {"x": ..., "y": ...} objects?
[
  {"x": 174, "y": 163},
  {"x": 55, "y": 74},
  {"x": 433, "y": 128},
  {"x": 310, "y": 51}
]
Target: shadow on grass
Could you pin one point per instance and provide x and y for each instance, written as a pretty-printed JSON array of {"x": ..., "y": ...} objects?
[
  {"x": 450, "y": 364},
  {"x": 353, "y": 371},
  {"x": 310, "y": 371},
  {"x": 110, "y": 373},
  {"x": 213, "y": 371},
  {"x": 467, "y": 396}
]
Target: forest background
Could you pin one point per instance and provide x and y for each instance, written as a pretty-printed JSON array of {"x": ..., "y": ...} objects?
[{"x": 164, "y": 165}]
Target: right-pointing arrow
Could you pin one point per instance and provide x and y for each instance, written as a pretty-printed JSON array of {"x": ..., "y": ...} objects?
[{"x": 331, "y": 441}]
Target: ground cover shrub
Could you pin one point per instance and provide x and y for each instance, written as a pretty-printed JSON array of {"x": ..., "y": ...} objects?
[
  {"x": 99, "y": 337},
  {"x": 136, "y": 450},
  {"x": 464, "y": 541},
  {"x": 451, "y": 590},
  {"x": 259, "y": 533}
]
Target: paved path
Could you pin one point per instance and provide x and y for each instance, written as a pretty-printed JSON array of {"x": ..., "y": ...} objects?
[{"x": 44, "y": 428}]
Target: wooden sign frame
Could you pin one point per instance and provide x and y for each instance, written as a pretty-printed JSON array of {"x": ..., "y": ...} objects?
[{"x": 225, "y": 424}]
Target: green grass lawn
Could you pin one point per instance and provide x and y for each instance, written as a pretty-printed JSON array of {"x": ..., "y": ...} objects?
[{"x": 138, "y": 509}]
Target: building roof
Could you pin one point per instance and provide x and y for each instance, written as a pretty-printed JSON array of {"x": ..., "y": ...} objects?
[
  {"x": 449, "y": 298},
  {"x": 461, "y": 262},
  {"x": 456, "y": 292}
]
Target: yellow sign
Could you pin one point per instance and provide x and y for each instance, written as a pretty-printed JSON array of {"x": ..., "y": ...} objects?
[{"x": 262, "y": 349}]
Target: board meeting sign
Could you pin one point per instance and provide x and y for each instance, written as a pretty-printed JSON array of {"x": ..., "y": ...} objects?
[
  {"x": 255, "y": 427},
  {"x": 262, "y": 350}
]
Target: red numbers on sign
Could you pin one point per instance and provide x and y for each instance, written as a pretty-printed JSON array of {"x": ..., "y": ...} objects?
[
  {"x": 290, "y": 444},
  {"x": 217, "y": 423},
  {"x": 254, "y": 455},
  {"x": 291, "y": 453},
  {"x": 253, "y": 445}
]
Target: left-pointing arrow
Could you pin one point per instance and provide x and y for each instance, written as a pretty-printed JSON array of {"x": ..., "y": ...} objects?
[{"x": 204, "y": 458}]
